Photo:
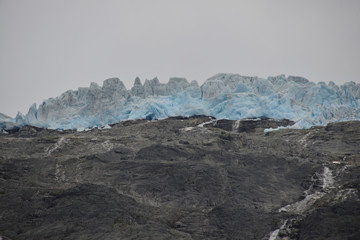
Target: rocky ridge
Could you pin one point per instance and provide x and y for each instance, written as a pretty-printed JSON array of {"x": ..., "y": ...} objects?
[{"x": 182, "y": 178}]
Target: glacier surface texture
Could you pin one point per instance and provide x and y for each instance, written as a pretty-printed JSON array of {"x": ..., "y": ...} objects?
[{"x": 223, "y": 96}]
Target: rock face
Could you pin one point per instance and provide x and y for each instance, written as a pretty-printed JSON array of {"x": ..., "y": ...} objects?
[{"x": 181, "y": 178}]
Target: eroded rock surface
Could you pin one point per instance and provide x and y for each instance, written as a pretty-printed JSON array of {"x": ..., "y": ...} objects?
[{"x": 181, "y": 178}]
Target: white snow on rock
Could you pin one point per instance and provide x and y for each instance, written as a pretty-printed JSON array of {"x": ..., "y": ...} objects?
[
  {"x": 327, "y": 182},
  {"x": 223, "y": 96},
  {"x": 61, "y": 142}
]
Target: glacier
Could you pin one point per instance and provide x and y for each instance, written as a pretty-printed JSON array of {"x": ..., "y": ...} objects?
[{"x": 223, "y": 96}]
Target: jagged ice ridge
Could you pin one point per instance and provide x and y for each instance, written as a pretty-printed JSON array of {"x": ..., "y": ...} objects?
[{"x": 223, "y": 96}]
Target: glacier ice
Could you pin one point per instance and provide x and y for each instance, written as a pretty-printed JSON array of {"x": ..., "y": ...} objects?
[{"x": 223, "y": 96}]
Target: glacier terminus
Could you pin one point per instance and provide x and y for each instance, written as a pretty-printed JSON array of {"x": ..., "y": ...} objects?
[{"x": 223, "y": 96}]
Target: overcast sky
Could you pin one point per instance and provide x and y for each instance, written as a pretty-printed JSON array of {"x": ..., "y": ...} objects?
[{"x": 50, "y": 46}]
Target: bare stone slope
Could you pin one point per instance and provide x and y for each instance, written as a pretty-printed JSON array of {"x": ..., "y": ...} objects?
[{"x": 181, "y": 178}]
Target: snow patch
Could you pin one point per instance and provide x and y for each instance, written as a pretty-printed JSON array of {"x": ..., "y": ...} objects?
[
  {"x": 57, "y": 145},
  {"x": 278, "y": 128},
  {"x": 274, "y": 234},
  {"x": 235, "y": 125},
  {"x": 212, "y": 121},
  {"x": 107, "y": 145},
  {"x": 186, "y": 129},
  {"x": 59, "y": 173},
  {"x": 327, "y": 181},
  {"x": 3, "y": 132}
]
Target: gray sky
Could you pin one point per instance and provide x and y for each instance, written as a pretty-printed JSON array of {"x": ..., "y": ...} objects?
[{"x": 50, "y": 46}]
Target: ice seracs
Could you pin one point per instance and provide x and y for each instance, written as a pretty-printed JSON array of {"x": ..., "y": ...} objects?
[{"x": 223, "y": 96}]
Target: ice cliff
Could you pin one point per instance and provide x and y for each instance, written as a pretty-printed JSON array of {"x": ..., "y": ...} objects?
[{"x": 223, "y": 96}]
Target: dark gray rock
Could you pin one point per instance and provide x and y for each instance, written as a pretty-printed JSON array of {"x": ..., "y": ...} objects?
[
  {"x": 338, "y": 221},
  {"x": 173, "y": 179}
]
